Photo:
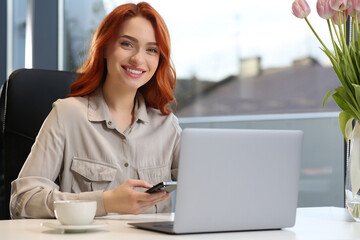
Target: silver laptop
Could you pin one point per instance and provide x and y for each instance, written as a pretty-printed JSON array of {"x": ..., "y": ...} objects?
[{"x": 235, "y": 180}]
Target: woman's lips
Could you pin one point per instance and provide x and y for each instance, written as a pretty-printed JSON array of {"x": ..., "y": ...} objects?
[{"x": 133, "y": 72}]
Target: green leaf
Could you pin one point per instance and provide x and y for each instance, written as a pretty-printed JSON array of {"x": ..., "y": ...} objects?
[
  {"x": 348, "y": 88},
  {"x": 337, "y": 66},
  {"x": 327, "y": 96},
  {"x": 346, "y": 68},
  {"x": 344, "y": 65},
  {"x": 357, "y": 92},
  {"x": 354, "y": 57},
  {"x": 338, "y": 48},
  {"x": 354, "y": 111},
  {"x": 340, "y": 101},
  {"x": 344, "y": 117},
  {"x": 348, "y": 72},
  {"x": 344, "y": 94}
]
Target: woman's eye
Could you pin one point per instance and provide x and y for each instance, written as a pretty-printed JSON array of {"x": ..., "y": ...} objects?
[
  {"x": 153, "y": 50},
  {"x": 125, "y": 44}
]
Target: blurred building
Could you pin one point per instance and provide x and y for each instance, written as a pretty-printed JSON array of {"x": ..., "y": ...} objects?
[{"x": 298, "y": 88}]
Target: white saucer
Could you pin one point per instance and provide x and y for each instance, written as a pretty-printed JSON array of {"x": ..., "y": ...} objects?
[{"x": 73, "y": 228}]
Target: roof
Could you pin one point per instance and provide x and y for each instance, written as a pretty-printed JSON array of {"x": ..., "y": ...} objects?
[{"x": 287, "y": 90}]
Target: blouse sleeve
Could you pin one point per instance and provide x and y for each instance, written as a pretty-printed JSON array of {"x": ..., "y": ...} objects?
[
  {"x": 35, "y": 190},
  {"x": 176, "y": 152}
]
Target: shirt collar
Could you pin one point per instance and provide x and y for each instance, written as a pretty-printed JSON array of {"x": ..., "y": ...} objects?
[
  {"x": 98, "y": 110},
  {"x": 140, "y": 110}
]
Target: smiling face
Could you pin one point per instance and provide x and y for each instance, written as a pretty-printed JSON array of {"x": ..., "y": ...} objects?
[{"x": 133, "y": 58}]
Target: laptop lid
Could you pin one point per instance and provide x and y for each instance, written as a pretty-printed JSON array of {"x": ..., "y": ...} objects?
[{"x": 232, "y": 179}]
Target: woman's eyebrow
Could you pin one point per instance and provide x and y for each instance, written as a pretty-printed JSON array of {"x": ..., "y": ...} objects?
[{"x": 136, "y": 41}]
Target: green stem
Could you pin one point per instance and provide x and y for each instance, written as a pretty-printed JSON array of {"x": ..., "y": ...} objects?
[
  {"x": 346, "y": 85},
  {"x": 358, "y": 38},
  {"x": 333, "y": 42},
  {"x": 344, "y": 24},
  {"x": 336, "y": 32},
  {"x": 353, "y": 48},
  {"x": 312, "y": 29},
  {"x": 345, "y": 47},
  {"x": 357, "y": 31},
  {"x": 345, "y": 51},
  {"x": 342, "y": 37},
  {"x": 353, "y": 32}
]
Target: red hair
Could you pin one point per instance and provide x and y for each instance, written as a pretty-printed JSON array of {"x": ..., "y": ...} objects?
[{"x": 159, "y": 91}]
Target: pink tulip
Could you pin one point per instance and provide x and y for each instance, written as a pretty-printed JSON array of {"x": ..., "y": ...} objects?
[
  {"x": 336, "y": 18},
  {"x": 339, "y": 5},
  {"x": 300, "y": 8},
  {"x": 324, "y": 10},
  {"x": 356, "y": 4},
  {"x": 351, "y": 11}
]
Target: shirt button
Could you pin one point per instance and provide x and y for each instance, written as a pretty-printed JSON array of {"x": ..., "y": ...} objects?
[
  {"x": 122, "y": 137},
  {"x": 126, "y": 164},
  {"x": 109, "y": 123}
]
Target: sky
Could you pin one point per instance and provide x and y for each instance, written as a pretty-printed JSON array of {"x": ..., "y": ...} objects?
[{"x": 209, "y": 37}]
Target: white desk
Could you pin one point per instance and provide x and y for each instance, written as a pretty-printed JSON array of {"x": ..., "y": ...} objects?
[{"x": 312, "y": 223}]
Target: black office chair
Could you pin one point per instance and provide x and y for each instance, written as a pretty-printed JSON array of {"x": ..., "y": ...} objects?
[{"x": 25, "y": 101}]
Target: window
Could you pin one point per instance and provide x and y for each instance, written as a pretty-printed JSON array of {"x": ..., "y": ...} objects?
[
  {"x": 232, "y": 57},
  {"x": 19, "y": 8}
]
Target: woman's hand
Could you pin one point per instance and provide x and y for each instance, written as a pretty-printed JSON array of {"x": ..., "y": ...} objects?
[{"x": 124, "y": 199}]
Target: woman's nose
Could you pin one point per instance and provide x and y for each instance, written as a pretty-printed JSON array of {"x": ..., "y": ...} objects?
[{"x": 137, "y": 58}]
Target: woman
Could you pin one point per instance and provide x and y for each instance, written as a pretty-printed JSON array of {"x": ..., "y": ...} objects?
[{"x": 115, "y": 132}]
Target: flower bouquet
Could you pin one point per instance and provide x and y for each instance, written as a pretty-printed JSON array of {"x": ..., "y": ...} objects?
[{"x": 345, "y": 59}]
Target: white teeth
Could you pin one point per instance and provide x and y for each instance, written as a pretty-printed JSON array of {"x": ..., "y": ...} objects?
[{"x": 133, "y": 71}]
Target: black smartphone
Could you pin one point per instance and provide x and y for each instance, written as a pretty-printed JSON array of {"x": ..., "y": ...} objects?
[{"x": 163, "y": 186}]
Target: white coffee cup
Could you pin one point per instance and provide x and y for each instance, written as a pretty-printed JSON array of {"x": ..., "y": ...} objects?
[{"x": 75, "y": 212}]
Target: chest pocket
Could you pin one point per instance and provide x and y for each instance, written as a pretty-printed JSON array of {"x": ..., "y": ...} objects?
[
  {"x": 91, "y": 176},
  {"x": 155, "y": 175}
]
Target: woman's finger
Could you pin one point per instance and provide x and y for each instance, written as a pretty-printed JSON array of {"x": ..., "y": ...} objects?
[
  {"x": 134, "y": 183},
  {"x": 156, "y": 199}
]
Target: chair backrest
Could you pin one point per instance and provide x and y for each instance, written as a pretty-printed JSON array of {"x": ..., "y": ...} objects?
[{"x": 26, "y": 100}]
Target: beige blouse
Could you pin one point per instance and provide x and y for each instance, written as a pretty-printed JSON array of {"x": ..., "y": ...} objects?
[{"x": 80, "y": 147}]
